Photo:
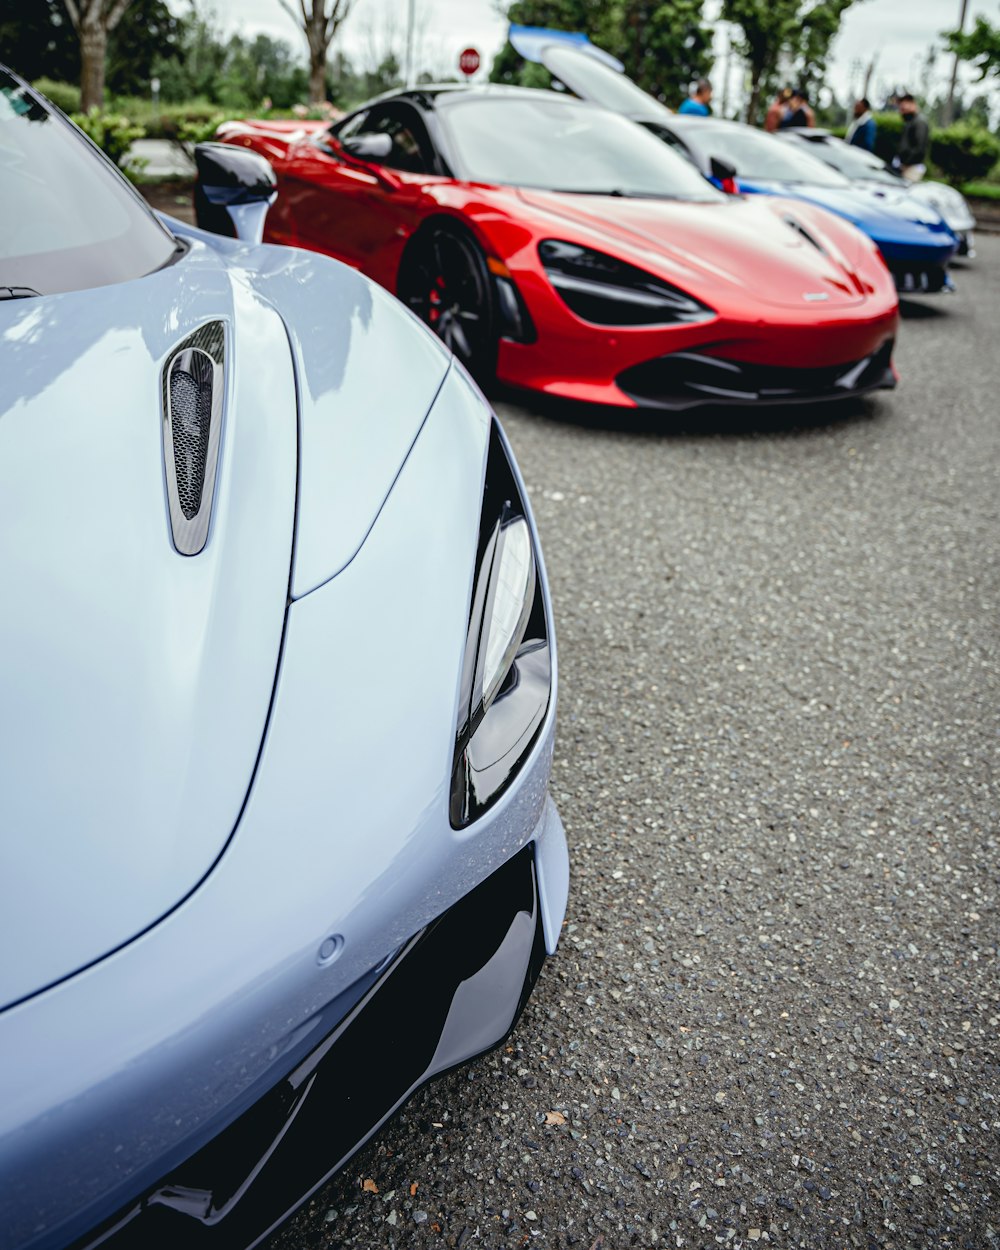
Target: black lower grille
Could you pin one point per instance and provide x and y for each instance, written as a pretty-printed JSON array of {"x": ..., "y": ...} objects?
[
  {"x": 688, "y": 379},
  {"x": 453, "y": 991},
  {"x": 916, "y": 279}
]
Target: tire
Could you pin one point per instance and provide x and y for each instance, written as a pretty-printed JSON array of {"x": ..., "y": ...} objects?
[{"x": 444, "y": 279}]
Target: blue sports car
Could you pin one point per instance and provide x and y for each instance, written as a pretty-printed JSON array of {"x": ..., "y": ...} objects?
[
  {"x": 914, "y": 240},
  {"x": 862, "y": 167},
  {"x": 277, "y": 704}
]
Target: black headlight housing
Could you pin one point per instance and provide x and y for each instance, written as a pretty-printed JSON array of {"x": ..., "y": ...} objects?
[
  {"x": 507, "y": 668},
  {"x": 610, "y": 292}
]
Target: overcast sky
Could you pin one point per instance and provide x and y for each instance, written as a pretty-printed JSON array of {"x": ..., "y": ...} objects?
[{"x": 899, "y": 32}]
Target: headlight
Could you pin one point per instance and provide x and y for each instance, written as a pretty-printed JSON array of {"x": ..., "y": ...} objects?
[
  {"x": 507, "y": 671},
  {"x": 610, "y": 292}
]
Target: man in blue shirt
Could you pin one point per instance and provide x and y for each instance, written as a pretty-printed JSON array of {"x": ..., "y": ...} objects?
[
  {"x": 697, "y": 103},
  {"x": 861, "y": 131}
]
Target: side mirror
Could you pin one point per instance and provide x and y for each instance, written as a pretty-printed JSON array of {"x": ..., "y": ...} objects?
[
  {"x": 725, "y": 175},
  {"x": 235, "y": 188},
  {"x": 368, "y": 148}
]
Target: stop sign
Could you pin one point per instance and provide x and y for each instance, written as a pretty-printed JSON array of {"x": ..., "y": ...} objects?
[{"x": 468, "y": 61}]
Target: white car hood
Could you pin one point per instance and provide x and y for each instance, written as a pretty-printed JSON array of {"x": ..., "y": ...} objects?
[{"x": 136, "y": 682}]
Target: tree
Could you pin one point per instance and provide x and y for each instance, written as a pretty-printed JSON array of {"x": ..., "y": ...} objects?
[
  {"x": 148, "y": 31},
  {"x": 194, "y": 69},
  {"x": 236, "y": 73},
  {"x": 319, "y": 28},
  {"x": 981, "y": 46},
  {"x": 38, "y": 41},
  {"x": 560, "y": 15},
  {"x": 811, "y": 50},
  {"x": 771, "y": 30},
  {"x": 664, "y": 46},
  {"x": 93, "y": 21}
]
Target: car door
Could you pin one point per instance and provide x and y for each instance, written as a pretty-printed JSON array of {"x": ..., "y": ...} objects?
[{"x": 362, "y": 212}]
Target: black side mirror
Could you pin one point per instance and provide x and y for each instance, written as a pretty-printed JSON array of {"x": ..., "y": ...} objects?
[
  {"x": 235, "y": 188},
  {"x": 724, "y": 174},
  {"x": 373, "y": 148}
]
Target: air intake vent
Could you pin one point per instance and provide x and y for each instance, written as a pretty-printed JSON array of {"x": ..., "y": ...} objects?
[
  {"x": 193, "y": 385},
  {"x": 799, "y": 228}
]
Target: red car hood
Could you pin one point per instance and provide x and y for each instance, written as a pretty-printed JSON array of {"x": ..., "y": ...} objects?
[{"x": 783, "y": 251}]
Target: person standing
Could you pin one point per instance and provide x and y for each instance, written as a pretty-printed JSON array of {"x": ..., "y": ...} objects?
[
  {"x": 698, "y": 102},
  {"x": 911, "y": 156},
  {"x": 776, "y": 110},
  {"x": 861, "y": 131},
  {"x": 799, "y": 113}
]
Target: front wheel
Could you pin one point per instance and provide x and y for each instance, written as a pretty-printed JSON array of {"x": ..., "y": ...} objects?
[{"x": 445, "y": 281}]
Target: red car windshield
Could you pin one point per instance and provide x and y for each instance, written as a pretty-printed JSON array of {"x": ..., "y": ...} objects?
[{"x": 554, "y": 144}]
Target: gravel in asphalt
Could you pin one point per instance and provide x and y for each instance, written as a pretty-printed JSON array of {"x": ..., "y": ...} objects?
[{"x": 773, "y": 1016}]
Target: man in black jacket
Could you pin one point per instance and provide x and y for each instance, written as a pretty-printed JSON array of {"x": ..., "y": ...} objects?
[{"x": 913, "y": 142}]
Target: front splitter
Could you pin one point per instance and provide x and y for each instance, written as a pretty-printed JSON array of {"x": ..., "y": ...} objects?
[{"x": 454, "y": 991}]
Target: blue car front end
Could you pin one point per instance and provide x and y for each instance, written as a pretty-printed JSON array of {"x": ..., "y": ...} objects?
[
  {"x": 915, "y": 242},
  {"x": 278, "y": 841}
]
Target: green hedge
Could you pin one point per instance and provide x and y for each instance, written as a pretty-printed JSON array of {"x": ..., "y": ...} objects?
[
  {"x": 889, "y": 128},
  {"x": 982, "y": 190},
  {"x": 960, "y": 153},
  {"x": 964, "y": 153},
  {"x": 64, "y": 95},
  {"x": 113, "y": 133},
  {"x": 166, "y": 121}
]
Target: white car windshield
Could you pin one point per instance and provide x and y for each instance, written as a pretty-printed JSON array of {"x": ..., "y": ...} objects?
[
  {"x": 68, "y": 221},
  {"x": 850, "y": 161},
  {"x": 759, "y": 156}
]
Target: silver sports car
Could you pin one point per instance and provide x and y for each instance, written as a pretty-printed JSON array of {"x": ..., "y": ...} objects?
[
  {"x": 277, "y": 705},
  {"x": 867, "y": 169}
]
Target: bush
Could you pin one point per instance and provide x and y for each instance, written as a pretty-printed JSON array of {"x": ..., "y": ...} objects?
[
  {"x": 888, "y": 129},
  {"x": 113, "y": 133},
  {"x": 982, "y": 190},
  {"x": 194, "y": 130},
  {"x": 172, "y": 121},
  {"x": 64, "y": 95},
  {"x": 964, "y": 152}
]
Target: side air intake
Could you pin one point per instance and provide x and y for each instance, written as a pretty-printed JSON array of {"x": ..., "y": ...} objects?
[{"x": 193, "y": 387}]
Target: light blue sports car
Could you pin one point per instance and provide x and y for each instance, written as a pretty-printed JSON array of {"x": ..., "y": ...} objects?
[{"x": 277, "y": 704}]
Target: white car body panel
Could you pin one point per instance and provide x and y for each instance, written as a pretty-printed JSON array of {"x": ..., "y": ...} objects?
[
  {"x": 327, "y": 844},
  {"x": 131, "y": 721}
]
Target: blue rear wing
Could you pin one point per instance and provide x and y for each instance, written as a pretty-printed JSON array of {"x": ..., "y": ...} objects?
[{"x": 530, "y": 43}]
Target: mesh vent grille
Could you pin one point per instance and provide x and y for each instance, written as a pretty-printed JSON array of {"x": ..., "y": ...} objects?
[
  {"x": 192, "y": 412},
  {"x": 191, "y": 421}
]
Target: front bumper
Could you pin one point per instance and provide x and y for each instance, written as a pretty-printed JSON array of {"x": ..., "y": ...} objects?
[
  {"x": 454, "y": 991},
  {"x": 916, "y": 278},
  {"x": 576, "y": 360},
  {"x": 684, "y": 380}
]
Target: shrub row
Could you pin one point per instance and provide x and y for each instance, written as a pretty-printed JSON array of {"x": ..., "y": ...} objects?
[{"x": 961, "y": 152}]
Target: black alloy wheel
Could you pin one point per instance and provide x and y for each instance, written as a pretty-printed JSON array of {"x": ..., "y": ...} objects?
[{"x": 445, "y": 281}]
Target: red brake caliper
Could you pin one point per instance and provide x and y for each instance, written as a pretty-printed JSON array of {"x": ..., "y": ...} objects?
[{"x": 434, "y": 299}]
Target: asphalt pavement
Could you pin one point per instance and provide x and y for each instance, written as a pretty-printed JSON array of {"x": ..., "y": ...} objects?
[{"x": 773, "y": 1017}]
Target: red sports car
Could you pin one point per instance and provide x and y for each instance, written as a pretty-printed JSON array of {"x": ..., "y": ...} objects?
[{"x": 566, "y": 250}]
